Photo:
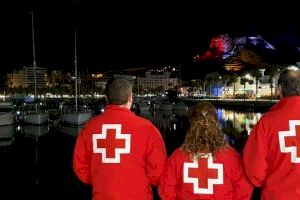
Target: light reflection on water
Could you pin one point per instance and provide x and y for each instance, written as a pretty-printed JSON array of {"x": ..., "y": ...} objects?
[
  {"x": 239, "y": 120},
  {"x": 237, "y": 126},
  {"x": 69, "y": 130},
  {"x": 34, "y": 131}
]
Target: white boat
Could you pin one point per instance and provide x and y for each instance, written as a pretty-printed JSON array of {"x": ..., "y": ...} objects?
[
  {"x": 76, "y": 117},
  {"x": 35, "y": 132},
  {"x": 35, "y": 116},
  {"x": 7, "y": 116}
]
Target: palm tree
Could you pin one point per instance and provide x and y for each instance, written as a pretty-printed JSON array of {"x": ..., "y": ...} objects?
[
  {"x": 195, "y": 85},
  {"x": 234, "y": 79},
  {"x": 256, "y": 74},
  {"x": 204, "y": 82},
  {"x": 253, "y": 59},
  {"x": 243, "y": 82},
  {"x": 212, "y": 78},
  {"x": 230, "y": 79},
  {"x": 273, "y": 71}
]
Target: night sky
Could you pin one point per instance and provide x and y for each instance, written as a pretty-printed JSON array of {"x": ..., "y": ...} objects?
[{"x": 115, "y": 36}]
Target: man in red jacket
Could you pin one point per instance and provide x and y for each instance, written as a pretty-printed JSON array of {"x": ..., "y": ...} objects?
[
  {"x": 272, "y": 152},
  {"x": 120, "y": 154}
]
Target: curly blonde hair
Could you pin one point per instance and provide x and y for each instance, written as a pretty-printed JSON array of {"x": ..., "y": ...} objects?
[{"x": 204, "y": 134}]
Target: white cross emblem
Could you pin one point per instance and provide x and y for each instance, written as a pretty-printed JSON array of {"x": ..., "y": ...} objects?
[
  {"x": 282, "y": 141},
  {"x": 116, "y": 150},
  {"x": 210, "y": 181}
]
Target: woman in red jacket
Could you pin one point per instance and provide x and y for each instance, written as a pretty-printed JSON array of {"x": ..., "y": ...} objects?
[{"x": 205, "y": 166}]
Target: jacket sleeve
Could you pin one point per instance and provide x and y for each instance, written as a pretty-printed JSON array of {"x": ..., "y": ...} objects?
[
  {"x": 168, "y": 182},
  {"x": 155, "y": 155},
  {"x": 242, "y": 188},
  {"x": 255, "y": 155},
  {"x": 82, "y": 159}
]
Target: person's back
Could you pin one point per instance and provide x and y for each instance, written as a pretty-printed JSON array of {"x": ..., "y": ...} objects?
[
  {"x": 272, "y": 152},
  {"x": 205, "y": 166},
  {"x": 120, "y": 154},
  {"x": 219, "y": 177}
]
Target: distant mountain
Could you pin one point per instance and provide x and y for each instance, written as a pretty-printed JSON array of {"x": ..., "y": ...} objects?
[{"x": 225, "y": 48}]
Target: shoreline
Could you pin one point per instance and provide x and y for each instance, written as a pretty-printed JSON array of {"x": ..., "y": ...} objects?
[{"x": 236, "y": 104}]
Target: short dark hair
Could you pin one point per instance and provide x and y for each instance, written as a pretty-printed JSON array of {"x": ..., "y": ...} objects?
[
  {"x": 118, "y": 91},
  {"x": 289, "y": 81}
]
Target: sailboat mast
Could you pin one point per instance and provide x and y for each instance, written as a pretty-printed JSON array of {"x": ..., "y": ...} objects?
[
  {"x": 33, "y": 51},
  {"x": 76, "y": 77},
  {"x": 179, "y": 74}
]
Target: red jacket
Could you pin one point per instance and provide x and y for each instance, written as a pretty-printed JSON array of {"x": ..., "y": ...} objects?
[
  {"x": 122, "y": 168},
  {"x": 220, "y": 178},
  {"x": 272, "y": 151}
]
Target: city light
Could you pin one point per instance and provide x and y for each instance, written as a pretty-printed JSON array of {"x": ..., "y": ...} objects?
[
  {"x": 293, "y": 68},
  {"x": 248, "y": 76}
]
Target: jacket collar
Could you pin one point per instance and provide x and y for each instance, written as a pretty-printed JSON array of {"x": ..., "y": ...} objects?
[
  {"x": 117, "y": 108},
  {"x": 287, "y": 102}
]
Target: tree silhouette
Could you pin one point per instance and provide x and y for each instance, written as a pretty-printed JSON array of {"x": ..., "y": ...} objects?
[{"x": 256, "y": 74}]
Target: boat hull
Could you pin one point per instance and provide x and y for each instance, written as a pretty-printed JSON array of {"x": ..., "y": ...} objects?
[
  {"x": 7, "y": 119},
  {"x": 36, "y": 118}
]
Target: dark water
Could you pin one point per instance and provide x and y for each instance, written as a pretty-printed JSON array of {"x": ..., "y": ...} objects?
[
  {"x": 38, "y": 165},
  {"x": 36, "y": 161}
]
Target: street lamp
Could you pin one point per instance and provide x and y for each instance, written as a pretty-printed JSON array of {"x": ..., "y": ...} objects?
[{"x": 248, "y": 76}]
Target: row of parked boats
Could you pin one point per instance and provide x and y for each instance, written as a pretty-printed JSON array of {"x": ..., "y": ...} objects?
[
  {"x": 34, "y": 115},
  {"x": 34, "y": 123},
  {"x": 150, "y": 105}
]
